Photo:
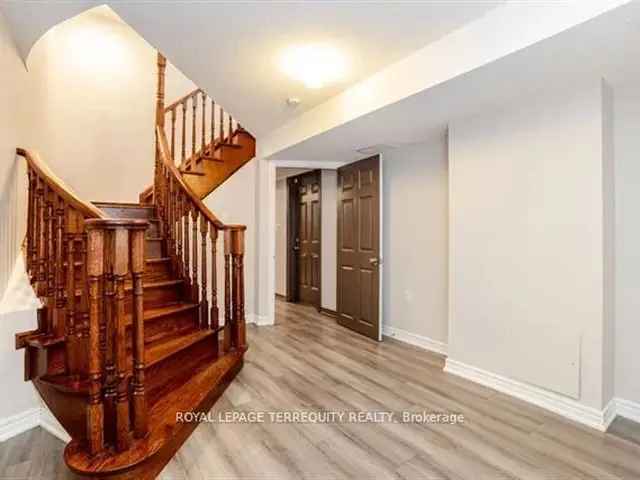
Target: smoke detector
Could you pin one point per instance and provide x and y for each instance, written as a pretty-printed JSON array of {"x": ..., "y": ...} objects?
[{"x": 293, "y": 101}]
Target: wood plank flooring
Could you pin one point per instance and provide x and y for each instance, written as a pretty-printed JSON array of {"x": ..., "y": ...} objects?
[{"x": 306, "y": 362}]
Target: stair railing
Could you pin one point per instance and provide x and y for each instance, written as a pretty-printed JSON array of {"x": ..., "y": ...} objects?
[
  {"x": 78, "y": 261},
  {"x": 194, "y": 124},
  {"x": 187, "y": 222},
  {"x": 55, "y": 250}
]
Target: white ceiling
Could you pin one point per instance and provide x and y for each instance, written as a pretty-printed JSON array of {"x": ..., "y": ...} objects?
[
  {"x": 606, "y": 47},
  {"x": 231, "y": 49}
]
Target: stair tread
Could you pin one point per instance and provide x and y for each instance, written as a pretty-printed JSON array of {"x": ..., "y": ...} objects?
[
  {"x": 155, "y": 284},
  {"x": 154, "y": 353},
  {"x": 166, "y": 347},
  {"x": 205, "y": 384},
  {"x": 157, "y": 312},
  {"x": 157, "y": 260}
]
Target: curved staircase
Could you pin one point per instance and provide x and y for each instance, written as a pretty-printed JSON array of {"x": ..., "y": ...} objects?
[{"x": 133, "y": 329}]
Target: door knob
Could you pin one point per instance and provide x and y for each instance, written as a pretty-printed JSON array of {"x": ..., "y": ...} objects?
[{"x": 375, "y": 261}]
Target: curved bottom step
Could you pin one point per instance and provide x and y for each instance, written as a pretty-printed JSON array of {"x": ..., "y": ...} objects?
[{"x": 147, "y": 457}]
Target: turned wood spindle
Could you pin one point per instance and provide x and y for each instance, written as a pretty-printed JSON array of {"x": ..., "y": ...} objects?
[
  {"x": 179, "y": 211},
  {"x": 204, "y": 121},
  {"x": 213, "y": 125},
  {"x": 227, "y": 340},
  {"x": 95, "y": 412},
  {"x": 184, "y": 132},
  {"x": 204, "y": 305},
  {"x": 237, "y": 252},
  {"x": 221, "y": 124},
  {"x": 162, "y": 65},
  {"x": 139, "y": 405},
  {"x": 109, "y": 327},
  {"x": 60, "y": 317},
  {"x": 120, "y": 261},
  {"x": 173, "y": 134},
  {"x": 187, "y": 269},
  {"x": 230, "y": 129},
  {"x": 194, "y": 107},
  {"x": 40, "y": 236},
  {"x": 194, "y": 261},
  {"x": 213, "y": 232}
]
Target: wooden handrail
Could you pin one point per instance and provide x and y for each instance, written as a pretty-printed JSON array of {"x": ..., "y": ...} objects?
[
  {"x": 60, "y": 188},
  {"x": 175, "y": 104},
  {"x": 164, "y": 155}
]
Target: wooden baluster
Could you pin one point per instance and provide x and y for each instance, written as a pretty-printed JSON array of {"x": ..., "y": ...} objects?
[
  {"x": 47, "y": 239},
  {"x": 109, "y": 335},
  {"x": 60, "y": 312},
  {"x": 226, "y": 339},
  {"x": 187, "y": 268},
  {"x": 120, "y": 261},
  {"x": 194, "y": 106},
  {"x": 204, "y": 305},
  {"x": 237, "y": 252},
  {"x": 221, "y": 123},
  {"x": 95, "y": 411},
  {"x": 195, "y": 294},
  {"x": 40, "y": 238},
  {"x": 74, "y": 227},
  {"x": 179, "y": 210},
  {"x": 173, "y": 135},
  {"x": 204, "y": 117},
  {"x": 213, "y": 125},
  {"x": 30, "y": 217},
  {"x": 230, "y": 129},
  {"x": 83, "y": 332},
  {"x": 184, "y": 132},
  {"x": 214, "y": 282},
  {"x": 170, "y": 220},
  {"x": 139, "y": 405}
]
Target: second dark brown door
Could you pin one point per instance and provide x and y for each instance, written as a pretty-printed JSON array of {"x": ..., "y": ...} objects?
[
  {"x": 308, "y": 240},
  {"x": 359, "y": 246}
]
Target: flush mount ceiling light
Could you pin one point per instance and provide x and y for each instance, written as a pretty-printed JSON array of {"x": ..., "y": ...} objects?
[{"x": 315, "y": 65}]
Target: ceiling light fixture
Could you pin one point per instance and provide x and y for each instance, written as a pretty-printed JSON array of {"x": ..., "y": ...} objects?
[{"x": 314, "y": 65}]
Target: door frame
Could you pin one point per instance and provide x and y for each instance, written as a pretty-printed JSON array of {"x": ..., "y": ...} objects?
[
  {"x": 293, "y": 225},
  {"x": 266, "y": 229}
]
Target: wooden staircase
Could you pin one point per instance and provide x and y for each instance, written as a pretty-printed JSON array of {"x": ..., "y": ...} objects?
[
  {"x": 206, "y": 143},
  {"x": 131, "y": 333}
]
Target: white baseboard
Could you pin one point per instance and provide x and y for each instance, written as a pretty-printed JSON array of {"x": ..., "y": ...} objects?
[
  {"x": 414, "y": 339},
  {"x": 19, "y": 423},
  {"x": 259, "y": 320},
  {"x": 627, "y": 409},
  {"x": 554, "y": 402}
]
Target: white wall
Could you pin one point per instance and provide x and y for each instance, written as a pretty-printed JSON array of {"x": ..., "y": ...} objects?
[
  {"x": 627, "y": 152},
  {"x": 281, "y": 236},
  {"x": 92, "y": 88},
  {"x": 527, "y": 243},
  {"x": 13, "y": 98},
  {"x": 234, "y": 202},
  {"x": 415, "y": 239}
]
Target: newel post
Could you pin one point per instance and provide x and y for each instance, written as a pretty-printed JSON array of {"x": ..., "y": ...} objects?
[
  {"x": 162, "y": 65},
  {"x": 140, "y": 420},
  {"x": 237, "y": 254},
  {"x": 95, "y": 409}
]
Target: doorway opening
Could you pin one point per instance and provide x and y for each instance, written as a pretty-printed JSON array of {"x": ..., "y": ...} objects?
[{"x": 328, "y": 241}]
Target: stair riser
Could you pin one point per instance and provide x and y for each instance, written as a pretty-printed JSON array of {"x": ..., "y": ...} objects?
[
  {"x": 164, "y": 376},
  {"x": 153, "y": 249},
  {"x": 156, "y": 271},
  {"x": 156, "y": 297},
  {"x": 166, "y": 326}
]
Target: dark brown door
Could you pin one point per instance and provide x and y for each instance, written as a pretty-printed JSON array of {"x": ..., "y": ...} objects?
[
  {"x": 308, "y": 240},
  {"x": 359, "y": 246}
]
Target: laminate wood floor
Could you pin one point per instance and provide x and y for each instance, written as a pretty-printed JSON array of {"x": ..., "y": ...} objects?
[{"x": 306, "y": 362}]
